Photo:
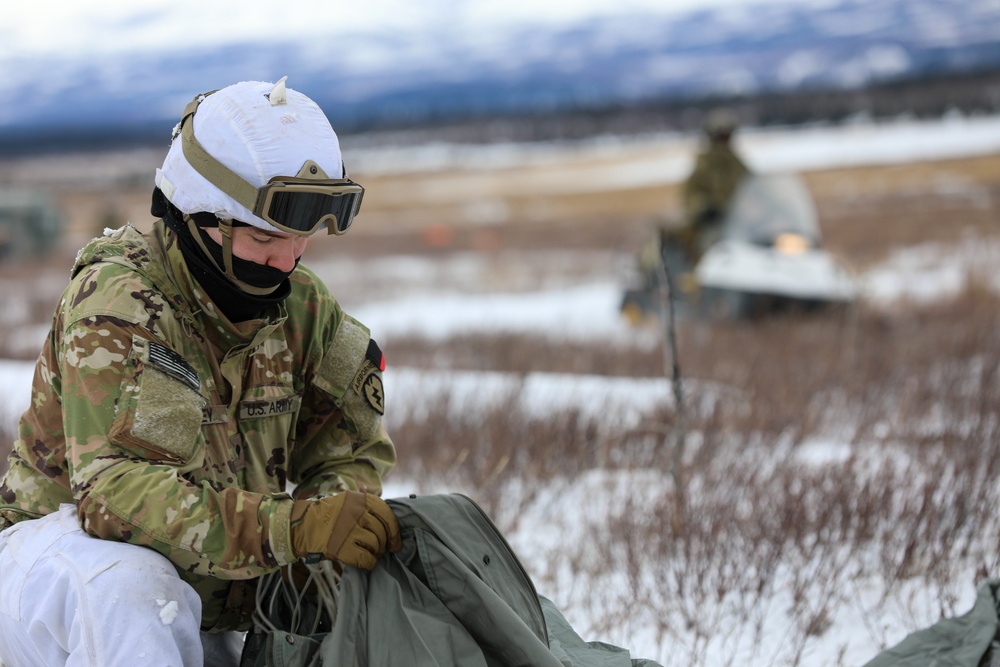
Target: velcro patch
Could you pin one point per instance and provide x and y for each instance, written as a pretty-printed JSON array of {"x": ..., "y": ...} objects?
[
  {"x": 173, "y": 364},
  {"x": 350, "y": 373}
]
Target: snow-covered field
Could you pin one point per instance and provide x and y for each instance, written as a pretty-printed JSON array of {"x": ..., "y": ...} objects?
[{"x": 432, "y": 307}]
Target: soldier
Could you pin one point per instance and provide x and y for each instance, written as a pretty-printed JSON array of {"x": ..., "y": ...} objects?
[
  {"x": 717, "y": 172},
  {"x": 191, "y": 373}
]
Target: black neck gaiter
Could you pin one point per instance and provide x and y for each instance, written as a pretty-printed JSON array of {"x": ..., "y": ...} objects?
[{"x": 235, "y": 304}]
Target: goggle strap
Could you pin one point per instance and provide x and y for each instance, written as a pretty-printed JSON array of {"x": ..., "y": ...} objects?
[
  {"x": 211, "y": 169},
  {"x": 221, "y": 176},
  {"x": 225, "y": 227},
  {"x": 226, "y": 230},
  {"x": 196, "y": 235}
]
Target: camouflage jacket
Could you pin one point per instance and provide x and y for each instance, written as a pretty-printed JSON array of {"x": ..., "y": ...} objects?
[
  {"x": 170, "y": 427},
  {"x": 717, "y": 172}
]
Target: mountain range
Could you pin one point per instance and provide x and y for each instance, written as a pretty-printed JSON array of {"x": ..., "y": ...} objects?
[{"x": 370, "y": 80}]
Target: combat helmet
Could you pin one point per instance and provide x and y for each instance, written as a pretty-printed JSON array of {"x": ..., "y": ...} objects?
[
  {"x": 260, "y": 154},
  {"x": 720, "y": 123}
]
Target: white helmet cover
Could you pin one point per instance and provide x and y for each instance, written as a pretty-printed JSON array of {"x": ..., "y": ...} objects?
[{"x": 257, "y": 130}]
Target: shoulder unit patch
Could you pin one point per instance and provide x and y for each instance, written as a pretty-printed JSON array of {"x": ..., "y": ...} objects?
[{"x": 367, "y": 383}]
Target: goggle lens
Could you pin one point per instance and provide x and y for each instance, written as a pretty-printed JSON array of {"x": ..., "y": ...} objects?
[{"x": 303, "y": 210}]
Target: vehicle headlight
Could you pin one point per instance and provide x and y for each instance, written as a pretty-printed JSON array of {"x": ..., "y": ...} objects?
[{"x": 791, "y": 244}]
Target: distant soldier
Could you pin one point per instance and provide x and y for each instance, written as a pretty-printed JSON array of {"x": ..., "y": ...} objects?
[
  {"x": 679, "y": 245},
  {"x": 191, "y": 373},
  {"x": 718, "y": 171}
]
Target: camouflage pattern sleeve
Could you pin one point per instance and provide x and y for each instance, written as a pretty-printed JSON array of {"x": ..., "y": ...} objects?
[
  {"x": 37, "y": 458},
  {"x": 341, "y": 442},
  {"x": 133, "y": 428},
  {"x": 331, "y": 465}
]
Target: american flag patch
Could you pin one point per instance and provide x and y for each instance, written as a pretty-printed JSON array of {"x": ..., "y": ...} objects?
[{"x": 173, "y": 364}]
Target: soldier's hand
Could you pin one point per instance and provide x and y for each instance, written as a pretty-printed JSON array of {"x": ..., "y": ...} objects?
[{"x": 351, "y": 527}]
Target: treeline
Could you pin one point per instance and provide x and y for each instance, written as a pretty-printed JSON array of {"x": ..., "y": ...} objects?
[
  {"x": 973, "y": 92},
  {"x": 970, "y": 93}
]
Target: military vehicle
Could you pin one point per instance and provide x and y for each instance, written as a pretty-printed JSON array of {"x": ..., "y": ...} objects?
[{"x": 765, "y": 256}]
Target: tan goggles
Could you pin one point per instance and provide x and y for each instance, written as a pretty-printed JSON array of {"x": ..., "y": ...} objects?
[
  {"x": 293, "y": 204},
  {"x": 301, "y": 205}
]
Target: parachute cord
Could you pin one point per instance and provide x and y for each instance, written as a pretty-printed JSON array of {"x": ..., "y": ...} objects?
[{"x": 282, "y": 606}]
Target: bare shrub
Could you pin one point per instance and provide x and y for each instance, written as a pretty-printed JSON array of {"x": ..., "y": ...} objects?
[
  {"x": 483, "y": 452},
  {"x": 900, "y": 519},
  {"x": 525, "y": 353}
]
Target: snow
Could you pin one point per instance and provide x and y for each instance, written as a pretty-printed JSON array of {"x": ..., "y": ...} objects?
[
  {"x": 122, "y": 25},
  {"x": 859, "y": 142},
  {"x": 15, "y": 384},
  {"x": 932, "y": 271},
  {"x": 168, "y": 611},
  {"x": 536, "y": 394},
  {"x": 921, "y": 273},
  {"x": 864, "y": 143},
  {"x": 590, "y": 310}
]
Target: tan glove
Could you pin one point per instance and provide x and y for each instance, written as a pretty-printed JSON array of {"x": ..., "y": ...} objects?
[{"x": 351, "y": 527}]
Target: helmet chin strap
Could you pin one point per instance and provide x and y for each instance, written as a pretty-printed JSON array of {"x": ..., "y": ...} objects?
[{"x": 226, "y": 229}]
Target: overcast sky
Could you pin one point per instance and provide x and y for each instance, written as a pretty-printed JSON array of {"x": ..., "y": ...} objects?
[{"x": 32, "y": 29}]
